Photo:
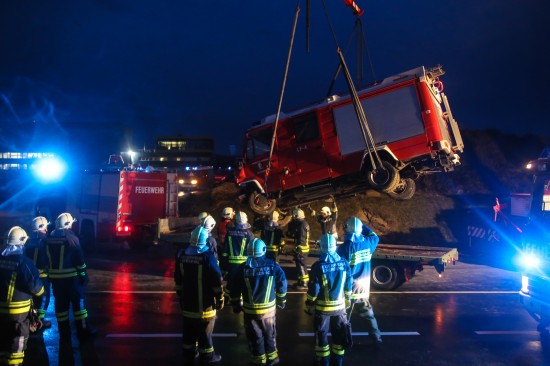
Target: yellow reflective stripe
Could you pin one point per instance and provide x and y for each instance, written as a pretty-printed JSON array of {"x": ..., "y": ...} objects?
[
  {"x": 249, "y": 288},
  {"x": 322, "y": 351},
  {"x": 16, "y": 307},
  {"x": 325, "y": 286},
  {"x": 206, "y": 350},
  {"x": 237, "y": 260},
  {"x": 268, "y": 289},
  {"x": 252, "y": 305},
  {"x": 199, "y": 315},
  {"x": 338, "y": 349},
  {"x": 360, "y": 256},
  {"x": 61, "y": 256},
  {"x": 312, "y": 298},
  {"x": 280, "y": 295},
  {"x": 243, "y": 246},
  {"x": 83, "y": 266},
  {"x": 40, "y": 292},
  {"x": 11, "y": 287}
]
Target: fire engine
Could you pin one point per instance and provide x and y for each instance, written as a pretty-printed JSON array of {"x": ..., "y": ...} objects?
[
  {"x": 535, "y": 245},
  {"x": 324, "y": 150},
  {"x": 122, "y": 206}
]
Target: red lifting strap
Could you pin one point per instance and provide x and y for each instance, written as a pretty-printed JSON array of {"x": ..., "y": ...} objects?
[{"x": 354, "y": 7}]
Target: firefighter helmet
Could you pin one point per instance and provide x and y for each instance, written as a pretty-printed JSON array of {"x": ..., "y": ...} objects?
[
  {"x": 274, "y": 216},
  {"x": 199, "y": 237},
  {"x": 241, "y": 217},
  {"x": 256, "y": 248},
  {"x": 202, "y": 216},
  {"x": 40, "y": 223},
  {"x": 228, "y": 213},
  {"x": 17, "y": 236},
  {"x": 325, "y": 211},
  {"x": 209, "y": 223},
  {"x": 298, "y": 214},
  {"x": 353, "y": 225},
  {"x": 328, "y": 243},
  {"x": 64, "y": 221}
]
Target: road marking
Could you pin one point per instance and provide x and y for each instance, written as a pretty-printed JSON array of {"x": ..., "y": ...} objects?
[
  {"x": 303, "y": 292},
  {"x": 165, "y": 335},
  {"x": 500, "y": 332},
  {"x": 367, "y": 333}
]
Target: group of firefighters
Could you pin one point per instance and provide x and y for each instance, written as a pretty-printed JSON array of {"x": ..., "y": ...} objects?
[
  {"x": 28, "y": 266},
  {"x": 255, "y": 283},
  {"x": 244, "y": 269}
]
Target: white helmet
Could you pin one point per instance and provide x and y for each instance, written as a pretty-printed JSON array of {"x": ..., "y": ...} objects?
[
  {"x": 298, "y": 214},
  {"x": 325, "y": 211},
  {"x": 40, "y": 223},
  {"x": 353, "y": 225},
  {"x": 64, "y": 221},
  {"x": 202, "y": 216},
  {"x": 209, "y": 223},
  {"x": 199, "y": 236},
  {"x": 274, "y": 216},
  {"x": 328, "y": 243},
  {"x": 256, "y": 248},
  {"x": 228, "y": 213},
  {"x": 17, "y": 236},
  {"x": 241, "y": 217}
]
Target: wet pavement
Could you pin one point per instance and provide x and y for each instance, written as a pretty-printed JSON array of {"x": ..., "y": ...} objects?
[{"x": 470, "y": 316}]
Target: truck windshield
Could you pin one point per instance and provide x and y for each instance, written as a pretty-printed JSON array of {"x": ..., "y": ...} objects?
[{"x": 258, "y": 143}]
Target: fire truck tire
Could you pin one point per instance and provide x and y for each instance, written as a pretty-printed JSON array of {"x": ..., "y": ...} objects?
[
  {"x": 260, "y": 204},
  {"x": 405, "y": 190},
  {"x": 386, "y": 275},
  {"x": 384, "y": 180}
]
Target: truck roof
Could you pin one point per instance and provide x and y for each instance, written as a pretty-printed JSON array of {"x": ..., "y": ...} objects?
[{"x": 418, "y": 72}]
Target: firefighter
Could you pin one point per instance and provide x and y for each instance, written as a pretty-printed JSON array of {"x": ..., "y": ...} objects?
[
  {"x": 298, "y": 229},
  {"x": 327, "y": 220},
  {"x": 201, "y": 216},
  {"x": 227, "y": 223},
  {"x": 68, "y": 277},
  {"x": 35, "y": 249},
  {"x": 328, "y": 297},
  {"x": 209, "y": 223},
  {"x": 272, "y": 235},
  {"x": 234, "y": 251},
  {"x": 359, "y": 244},
  {"x": 198, "y": 285},
  {"x": 257, "y": 288},
  {"x": 19, "y": 282}
]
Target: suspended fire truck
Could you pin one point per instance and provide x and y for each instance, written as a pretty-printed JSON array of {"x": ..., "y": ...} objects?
[
  {"x": 326, "y": 149},
  {"x": 122, "y": 206}
]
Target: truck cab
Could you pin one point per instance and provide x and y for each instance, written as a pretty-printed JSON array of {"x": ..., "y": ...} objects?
[
  {"x": 321, "y": 150},
  {"x": 535, "y": 247}
]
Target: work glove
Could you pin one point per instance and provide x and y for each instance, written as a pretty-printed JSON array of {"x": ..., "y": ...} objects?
[
  {"x": 310, "y": 307},
  {"x": 83, "y": 280},
  {"x": 237, "y": 307},
  {"x": 281, "y": 304},
  {"x": 219, "y": 303}
]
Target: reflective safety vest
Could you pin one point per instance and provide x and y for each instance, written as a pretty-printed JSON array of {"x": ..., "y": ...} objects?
[
  {"x": 330, "y": 283},
  {"x": 35, "y": 249},
  {"x": 65, "y": 258},
  {"x": 19, "y": 280},
  {"x": 234, "y": 250},
  {"x": 299, "y": 231},
  {"x": 262, "y": 283},
  {"x": 272, "y": 236}
]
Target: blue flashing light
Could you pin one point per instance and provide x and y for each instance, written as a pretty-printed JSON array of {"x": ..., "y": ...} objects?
[
  {"x": 50, "y": 170},
  {"x": 530, "y": 261}
]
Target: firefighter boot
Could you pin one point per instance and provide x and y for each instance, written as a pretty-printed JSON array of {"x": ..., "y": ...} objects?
[
  {"x": 83, "y": 329},
  {"x": 210, "y": 358}
]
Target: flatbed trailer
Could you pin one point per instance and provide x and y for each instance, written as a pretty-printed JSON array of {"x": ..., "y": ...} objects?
[{"x": 394, "y": 264}]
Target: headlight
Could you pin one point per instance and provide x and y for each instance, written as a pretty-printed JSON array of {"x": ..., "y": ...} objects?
[
  {"x": 524, "y": 284},
  {"x": 194, "y": 182}
]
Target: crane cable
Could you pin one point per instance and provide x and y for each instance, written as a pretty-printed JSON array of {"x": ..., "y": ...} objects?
[
  {"x": 359, "y": 111},
  {"x": 268, "y": 169}
]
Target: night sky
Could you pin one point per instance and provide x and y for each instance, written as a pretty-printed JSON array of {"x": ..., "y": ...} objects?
[{"x": 118, "y": 73}]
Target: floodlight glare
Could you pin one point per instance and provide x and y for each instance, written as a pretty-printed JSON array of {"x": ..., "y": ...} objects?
[
  {"x": 50, "y": 170},
  {"x": 530, "y": 261}
]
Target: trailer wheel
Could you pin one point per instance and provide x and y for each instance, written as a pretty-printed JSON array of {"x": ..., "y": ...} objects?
[
  {"x": 405, "y": 190},
  {"x": 386, "y": 275},
  {"x": 384, "y": 179},
  {"x": 261, "y": 204}
]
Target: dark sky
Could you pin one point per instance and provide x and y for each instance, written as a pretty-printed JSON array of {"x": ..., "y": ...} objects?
[{"x": 119, "y": 72}]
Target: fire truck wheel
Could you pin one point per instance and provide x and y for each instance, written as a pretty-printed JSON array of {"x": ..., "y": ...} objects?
[
  {"x": 386, "y": 275},
  {"x": 405, "y": 190},
  {"x": 260, "y": 204},
  {"x": 384, "y": 179}
]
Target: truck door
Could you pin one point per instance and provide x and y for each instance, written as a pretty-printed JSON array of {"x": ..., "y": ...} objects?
[{"x": 309, "y": 153}]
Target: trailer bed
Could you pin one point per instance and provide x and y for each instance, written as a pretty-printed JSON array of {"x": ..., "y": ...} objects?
[{"x": 416, "y": 253}]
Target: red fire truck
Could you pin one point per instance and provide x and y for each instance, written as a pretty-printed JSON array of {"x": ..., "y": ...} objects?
[
  {"x": 322, "y": 150},
  {"x": 122, "y": 206}
]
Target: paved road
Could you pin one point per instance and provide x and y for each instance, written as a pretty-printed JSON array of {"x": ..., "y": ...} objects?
[{"x": 470, "y": 316}]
